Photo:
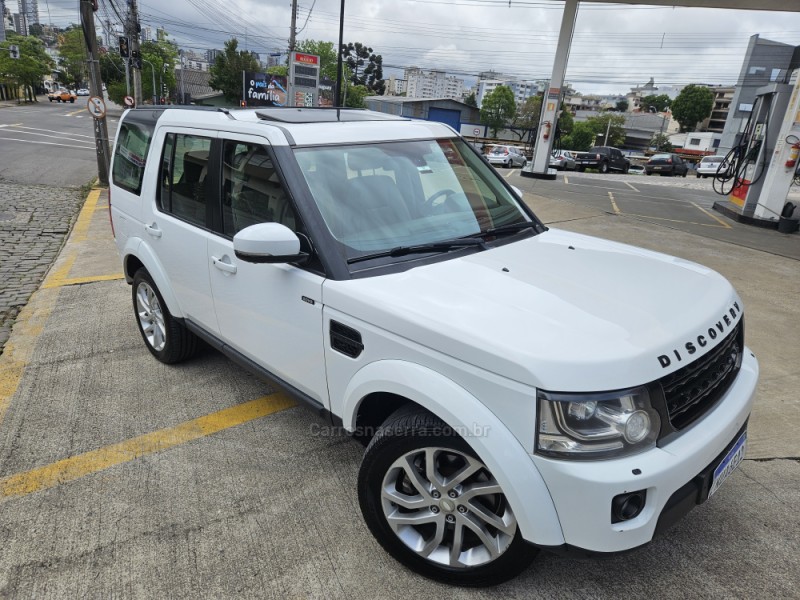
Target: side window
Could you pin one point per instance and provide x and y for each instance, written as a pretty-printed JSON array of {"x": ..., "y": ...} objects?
[
  {"x": 130, "y": 155},
  {"x": 251, "y": 190},
  {"x": 184, "y": 178}
]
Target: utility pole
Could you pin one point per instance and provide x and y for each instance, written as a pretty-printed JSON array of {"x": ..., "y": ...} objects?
[
  {"x": 95, "y": 89},
  {"x": 293, "y": 31},
  {"x": 136, "y": 55}
]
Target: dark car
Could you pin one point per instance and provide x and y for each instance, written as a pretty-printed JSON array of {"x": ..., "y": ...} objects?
[
  {"x": 666, "y": 164},
  {"x": 602, "y": 158}
]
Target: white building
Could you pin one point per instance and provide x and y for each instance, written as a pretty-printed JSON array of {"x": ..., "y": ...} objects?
[
  {"x": 432, "y": 84},
  {"x": 703, "y": 141},
  {"x": 489, "y": 81},
  {"x": 4, "y": 21}
]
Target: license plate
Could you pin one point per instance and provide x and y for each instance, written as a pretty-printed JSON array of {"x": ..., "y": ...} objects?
[
  {"x": 657, "y": 168},
  {"x": 728, "y": 464}
]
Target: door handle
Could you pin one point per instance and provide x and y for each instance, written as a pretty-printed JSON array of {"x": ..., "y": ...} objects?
[
  {"x": 153, "y": 230},
  {"x": 222, "y": 265}
]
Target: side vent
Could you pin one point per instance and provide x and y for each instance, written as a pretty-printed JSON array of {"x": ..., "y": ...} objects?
[{"x": 346, "y": 340}]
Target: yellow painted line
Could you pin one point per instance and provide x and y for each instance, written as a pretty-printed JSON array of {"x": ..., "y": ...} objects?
[
  {"x": 94, "y": 461},
  {"x": 613, "y": 203},
  {"x": 81, "y": 228},
  {"x": 76, "y": 112},
  {"x": 630, "y": 186},
  {"x": 510, "y": 173},
  {"x": 65, "y": 281},
  {"x": 566, "y": 179},
  {"x": 712, "y": 215}
]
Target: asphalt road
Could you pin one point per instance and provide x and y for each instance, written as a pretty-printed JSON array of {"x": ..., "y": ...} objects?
[
  {"x": 123, "y": 477},
  {"x": 48, "y": 143}
]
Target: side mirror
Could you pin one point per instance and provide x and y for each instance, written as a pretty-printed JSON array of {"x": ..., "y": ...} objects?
[
  {"x": 268, "y": 243},
  {"x": 517, "y": 191}
]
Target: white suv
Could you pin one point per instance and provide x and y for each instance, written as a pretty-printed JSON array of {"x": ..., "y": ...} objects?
[{"x": 519, "y": 387}]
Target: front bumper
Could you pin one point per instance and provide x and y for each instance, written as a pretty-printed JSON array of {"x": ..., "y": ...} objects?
[{"x": 582, "y": 491}]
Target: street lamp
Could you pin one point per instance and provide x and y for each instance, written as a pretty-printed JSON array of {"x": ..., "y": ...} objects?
[{"x": 153, "y": 71}]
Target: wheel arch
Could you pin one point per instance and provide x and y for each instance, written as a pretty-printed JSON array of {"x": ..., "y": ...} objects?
[
  {"x": 136, "y": 255},
  {"x": 400, "y": 382}
]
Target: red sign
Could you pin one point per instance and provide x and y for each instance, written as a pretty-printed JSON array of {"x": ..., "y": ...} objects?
[
  {"x": 739, "y": 192},
  {"x": 307, "y": 59}
]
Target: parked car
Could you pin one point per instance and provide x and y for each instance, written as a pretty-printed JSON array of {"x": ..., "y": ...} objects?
[
  {"x": 518, "y": 386},
  {"x": 710, "y": 166},
  {"x": 82, "y": 92},
  {"x": 666, "y": 164},
  {"x": 563, "y": 160},
  {"x": 636, "y": 170},
  {"x": 61, "y": 95},
  {"x": 507, "y": 156},
  {"x": 604, "y": 159}
]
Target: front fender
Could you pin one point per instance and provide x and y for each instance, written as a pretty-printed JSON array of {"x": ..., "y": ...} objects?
[
  {"x": 137, "y": 248},
  {"x": 481, "y": 429}
]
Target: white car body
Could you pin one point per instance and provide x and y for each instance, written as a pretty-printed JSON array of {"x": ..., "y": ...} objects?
[
  {"x": 709, "y": 166},
  {"x": 470, "y": 339},
  {"x": 507, "y": 156}
]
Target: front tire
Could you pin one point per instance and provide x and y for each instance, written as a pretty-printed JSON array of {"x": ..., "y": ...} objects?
[
  {"x": 435, "y": 507},
  {"x": 603, "y": 167},
  {"x": 165, "y": 337}
]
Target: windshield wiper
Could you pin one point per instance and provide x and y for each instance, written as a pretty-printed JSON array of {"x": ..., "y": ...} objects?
[
  {"x": 508, "y": 229},
  {"x": 442, "y": 246}
]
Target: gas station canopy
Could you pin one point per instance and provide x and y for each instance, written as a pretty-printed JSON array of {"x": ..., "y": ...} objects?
[{"x": 777, "y": 5}]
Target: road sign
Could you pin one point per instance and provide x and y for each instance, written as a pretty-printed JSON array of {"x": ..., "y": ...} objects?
[
  {"x": 476, "y": 131},
  {"x": 129, "y": 101},
  {"x": 13, "y": 50},
  {"x": 96, "y": 107}
]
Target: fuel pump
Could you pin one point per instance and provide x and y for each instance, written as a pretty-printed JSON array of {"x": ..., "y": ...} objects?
[{"x": 744, "y": 170}]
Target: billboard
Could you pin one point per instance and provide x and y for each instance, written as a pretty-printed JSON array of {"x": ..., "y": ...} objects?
[{"x": 261, "y": 89}]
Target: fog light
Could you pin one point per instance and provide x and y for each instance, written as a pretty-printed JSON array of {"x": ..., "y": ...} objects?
[
  {"x": 637, "y": 426},
  {"x": 625, "y": 507}
]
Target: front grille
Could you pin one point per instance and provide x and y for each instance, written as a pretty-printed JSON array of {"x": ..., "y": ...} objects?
[{"x": 693, "y": 390}]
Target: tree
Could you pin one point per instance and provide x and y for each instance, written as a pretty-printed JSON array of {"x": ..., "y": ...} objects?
[
  {"x": 581, "y": 138},
  {"x": 365, "y": 66},
  {"x": 471, "y": 100},
  {"x": 565, "y": 121},
  {"x": 355, "y": 96},
  {"x": 28, "y": 70},
  {"x": 529, "y": 113},
  {"x": 226, "y": 73},
  {"x": 498, "y": 108},
  {"x": 72, "y": 64},
  {"x": 611, "y": 122},
  {"x": 159, "y": 58},
  {"x": 661, "y": 143},
  {"x": 622, "y": 106},
  {"x": 653, "y": 103},
  {"x": 327, "y": 56},
  {"x": 692, "y": 105}
]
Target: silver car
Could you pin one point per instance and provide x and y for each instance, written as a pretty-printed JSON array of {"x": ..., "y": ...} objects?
[
  {"x": 562, "y": 160},
  {"x": 507, "y": 156},
  {"x": 709, "y": 166}
]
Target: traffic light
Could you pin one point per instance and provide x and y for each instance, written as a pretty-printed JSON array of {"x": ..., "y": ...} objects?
[
  {"x": 13, "y": 51},
  {"x": 136, "y": 59},
  {"x": 123, "y": 47}
]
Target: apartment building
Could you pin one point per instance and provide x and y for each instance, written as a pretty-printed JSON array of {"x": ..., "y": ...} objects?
[
  {"x": 523, "y": 89},
  {"x": 432, "y": 84}
]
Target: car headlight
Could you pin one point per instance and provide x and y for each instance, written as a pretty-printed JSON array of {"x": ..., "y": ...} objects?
[{"x": 592, "y": 426}]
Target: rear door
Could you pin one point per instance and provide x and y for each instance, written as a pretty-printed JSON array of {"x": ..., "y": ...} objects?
[{"x": 179, "y": 226}]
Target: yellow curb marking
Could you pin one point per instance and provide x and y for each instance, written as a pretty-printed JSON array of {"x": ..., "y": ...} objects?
[
  {"x": 75, "y": 467},
  {"x": 613, "y": 203},
  {"x": 713, "y": 216},
  {"x": 30, "y": 322}
]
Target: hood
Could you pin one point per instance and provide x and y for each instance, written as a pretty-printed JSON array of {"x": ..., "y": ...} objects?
[{"x": 560, "y": 311}]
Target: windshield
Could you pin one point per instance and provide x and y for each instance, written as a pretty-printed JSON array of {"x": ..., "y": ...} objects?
[{"x": 378, "y": 197}]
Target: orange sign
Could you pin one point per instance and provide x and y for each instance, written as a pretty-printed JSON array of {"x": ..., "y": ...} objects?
[{"x": 307, "y": 59}]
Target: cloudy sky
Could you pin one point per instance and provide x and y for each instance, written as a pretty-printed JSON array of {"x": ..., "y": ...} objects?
[{"x": 614, "y": 47}]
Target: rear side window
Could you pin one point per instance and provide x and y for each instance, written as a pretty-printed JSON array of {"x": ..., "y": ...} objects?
[
  {"x": 130, "y": 156},
  {"x": 184, "y": 178}
]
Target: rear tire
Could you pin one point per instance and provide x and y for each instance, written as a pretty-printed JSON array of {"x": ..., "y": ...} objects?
[
  {"x": 165, "y": 337},
  {"x": 437, "y": 523}
]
